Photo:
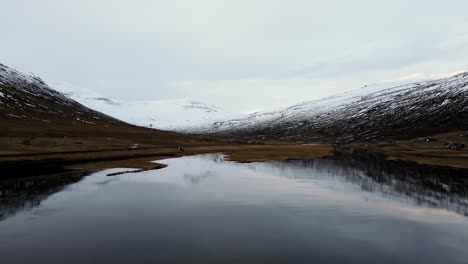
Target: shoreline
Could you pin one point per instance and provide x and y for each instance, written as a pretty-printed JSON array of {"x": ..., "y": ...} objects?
[
  {"x": 19, "y": 166},
  {"x": 22, "y": 165}
]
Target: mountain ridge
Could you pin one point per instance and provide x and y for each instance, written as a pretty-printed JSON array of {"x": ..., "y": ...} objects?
[{"x": 404, "y": 111}]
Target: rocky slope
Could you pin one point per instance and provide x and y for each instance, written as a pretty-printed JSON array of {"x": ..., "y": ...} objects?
[
  {"x": 367, "y": 114},
  {"x": 27, "y": 97}
]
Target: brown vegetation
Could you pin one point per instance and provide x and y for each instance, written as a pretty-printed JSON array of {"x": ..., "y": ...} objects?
[
  {"x": 431, "y": 152},
  {"x": 142, "y": 158}
]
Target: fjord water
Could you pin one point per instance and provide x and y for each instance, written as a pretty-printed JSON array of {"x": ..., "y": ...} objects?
[{"x": 202, "y": 209}]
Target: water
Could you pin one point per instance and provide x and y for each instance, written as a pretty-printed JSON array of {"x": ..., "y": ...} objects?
[{"x": 202, "y": 209}]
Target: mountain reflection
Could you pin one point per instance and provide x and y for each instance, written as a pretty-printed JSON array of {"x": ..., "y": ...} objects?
[
  {"x": 434, "y": 187},
  {"x": 437, "y": 187},
  {"x": 26, "y": 193},
  {"x": 196, "y": 178}
]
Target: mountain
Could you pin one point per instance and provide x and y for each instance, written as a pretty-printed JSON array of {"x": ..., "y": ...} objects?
[
  {"x": 175, "y": 114},
  {"x": 27, "y": 97},
  {"x": 367, "y": 114},
  {"x": 36, "y": 117}
]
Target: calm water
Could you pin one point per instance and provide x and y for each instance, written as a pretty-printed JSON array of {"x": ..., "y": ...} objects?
[{"x": 202, "y": 209}]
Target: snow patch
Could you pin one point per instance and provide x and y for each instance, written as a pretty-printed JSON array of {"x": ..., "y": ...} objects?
[
  {"x": 177, "y": 114},
  {"x": 12, "y": 115}
]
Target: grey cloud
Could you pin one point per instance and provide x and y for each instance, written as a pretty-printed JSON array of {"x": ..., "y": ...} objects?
[{"x": 216, "y": 51}]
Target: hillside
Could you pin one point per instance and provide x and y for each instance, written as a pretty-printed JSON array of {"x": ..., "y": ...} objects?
[
  {"x": 368, "y": 114},
  {"x": 35, "y": 117},
  {"x": 27, "y": 97}
]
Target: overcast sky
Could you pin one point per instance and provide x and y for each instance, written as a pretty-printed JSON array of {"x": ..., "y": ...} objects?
[{"x": 241, "y": 55}]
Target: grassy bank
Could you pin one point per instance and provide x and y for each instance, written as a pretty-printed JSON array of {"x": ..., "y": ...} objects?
[
  {"x": 432, "y": 152},
  {"x": 142, "y": 158}
]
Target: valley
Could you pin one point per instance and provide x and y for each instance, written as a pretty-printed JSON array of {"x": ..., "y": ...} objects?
[
  {"x": 42, "y": 130},
  {"x": 43, "y": 127},
  {"x": 234, "y": 132}
]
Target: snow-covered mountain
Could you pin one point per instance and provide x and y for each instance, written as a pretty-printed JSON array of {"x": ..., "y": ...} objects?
[
  {"x": 26, "y": 97},
  {"x": 35, "y": 117},
  {"x": 177, "y": 114},
  {"x": 369, "y": 113}
]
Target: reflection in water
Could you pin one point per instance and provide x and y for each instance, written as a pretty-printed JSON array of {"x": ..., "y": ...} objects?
[
  {"x": 438, "y": 187},
  {"x": 23, "y": 194},
  {"x": 431, "y": 186},
  {"x": 357, "y": 208},
  {"x": 195, "y": 178}
]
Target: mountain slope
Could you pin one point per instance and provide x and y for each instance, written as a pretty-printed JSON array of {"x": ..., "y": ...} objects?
[
  {"x": 27, "y": 97},
  {"x": 33, "y": 117},
  {"x": 405, "y": 111},
  {"x": 162, "y": 114}
]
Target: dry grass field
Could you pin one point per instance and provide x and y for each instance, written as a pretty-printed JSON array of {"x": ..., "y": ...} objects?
[{"x": 434, "y": 152}]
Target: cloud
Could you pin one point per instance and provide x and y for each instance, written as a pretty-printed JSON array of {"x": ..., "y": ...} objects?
[{"x": 241, "y": 54}]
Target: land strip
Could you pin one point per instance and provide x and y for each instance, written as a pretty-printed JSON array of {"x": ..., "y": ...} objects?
[{"x": 18, "y": 166}]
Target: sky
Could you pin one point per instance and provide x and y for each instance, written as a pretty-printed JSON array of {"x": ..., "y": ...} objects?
[{"x": 241, "y": 55}]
